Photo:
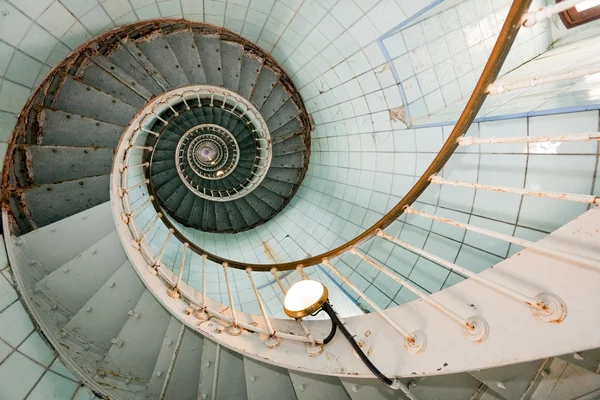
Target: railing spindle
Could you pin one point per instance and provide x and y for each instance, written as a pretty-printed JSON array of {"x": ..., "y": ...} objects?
[
  {"x": 579, "y": 198},
  {"x": 154, "y": 269},
  {"x": 582, "y": 137},
  {"x": 127, "y": 217},
  {"x": 414, "y": 343},
  {"x": 474, "y": 328},
  {"x": 583, "y": 261},
  {"x": 233, "y": 330},
  {"x": 121, "y": 192},
  {"x": 545, "y": 306},
  {"x": 174, "y": 293},
  {"x": 271, "y": 341},
  {"x": 137, "y": 242}
]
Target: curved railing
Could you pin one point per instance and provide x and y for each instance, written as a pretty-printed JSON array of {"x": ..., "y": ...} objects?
[
  {"x": 490, "y": 73},
  {"x": 545, "y": 307}
]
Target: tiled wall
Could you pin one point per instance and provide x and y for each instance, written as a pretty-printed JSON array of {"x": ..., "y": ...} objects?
[
  {"x": 29, "y": 368},
  {"x": 438, "y": 57}
]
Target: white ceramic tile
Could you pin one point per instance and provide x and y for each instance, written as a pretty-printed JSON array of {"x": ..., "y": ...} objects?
[
  {"x": 346, "y": 12},
  {"x": 18, "y": 368},
  {"x": 7, "y": 293},
  {"x": 37, "y": 349},
  {"x": 57, "y": 19},
  {"x": 428, "y": 81},
  {"x": 13, "y": 24}
]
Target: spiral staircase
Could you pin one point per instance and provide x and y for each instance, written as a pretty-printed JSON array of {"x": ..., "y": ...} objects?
[{"x": 155, "y": 133}]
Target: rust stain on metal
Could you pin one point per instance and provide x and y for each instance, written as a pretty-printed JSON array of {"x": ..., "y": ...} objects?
[{"x": 367, "y": 333}]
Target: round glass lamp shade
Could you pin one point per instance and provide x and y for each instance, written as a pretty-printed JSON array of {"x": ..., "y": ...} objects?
[{"x": 304, "y": 298}]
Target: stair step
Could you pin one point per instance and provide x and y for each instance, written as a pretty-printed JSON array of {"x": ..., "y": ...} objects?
[
  {"x": 89, "y": 332},
  {"x": 185, "y": 378},
  {"x": 51, "y": 164},
  {"x": 98, "y": 78},
  {"x": 231, "y": 60},
  {"x": 130, "y": 361},
  {"x": 167, "y": 189},
  {"x": 49, "y": 203},
  {"x": 160, "y": 167},
  {"x": 184, "y": 210},
  {"x": 183, "y": 46},
  {"x": 170, "y": 348},
  {"x": 162, "y": 178},
  {"x": 209, "y": 367},
  {"x": 261, "y": 207},
  {"x": 209, "y": 49},
  {"x": 288, "y": 175},
  {"x": 277, "y": 98},
  {"x": 78, "y": 98},
  {"x": 235, "y": 216},
  {"x": 285, "y": 132},
  {"x": 265, "y": 381},
  {"x": 133, "y": 62},
  {"x": 312, "y": 386},
  {"x": 173, "y": 202},
  {"x": 87, "y": 272},
  {"x": 122, "y": 76},
  {"x": 285, "y": 114},
  {"x": 293, "y": 158},
  {"x": 281, "y": 188},
  {"x": 251, "y": 65},
  {"x": 158, "y": 51},
  {"x": 209, "y": 219},
  {"x": 265, "y": 84},
  {"x": 59, "y": 128},
  {"x": 74, "y": 236},
  {"x": 222, "y": 220},
  {"x": 231, "y": 379},
  {"x": 511, "y": 381}
]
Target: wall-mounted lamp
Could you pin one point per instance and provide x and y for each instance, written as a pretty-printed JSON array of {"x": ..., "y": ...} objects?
[{"x": 307, "y": 297}]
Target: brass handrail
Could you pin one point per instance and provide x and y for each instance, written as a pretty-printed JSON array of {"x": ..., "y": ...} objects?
[{"x": 505, "y": 40}]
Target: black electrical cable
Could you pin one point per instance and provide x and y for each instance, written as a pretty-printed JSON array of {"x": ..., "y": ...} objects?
[{"x": 335, "y": 320}]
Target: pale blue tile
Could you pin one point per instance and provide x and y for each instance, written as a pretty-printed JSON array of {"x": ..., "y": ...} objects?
[
  {"x": 475, "y": 259},
  {"x": 7, "y": 293},
  {"x": 96, "y": 20},
  {"x": 76, "y": 36},
  {"x": 428, "y": 275},
  {"x": 5, "y": 350},
  {"x": 18, "y": 375},
  {"x": 53, "y": 386},
  {"x": 13, "y": 96},
  {"x": 6, "y": 53},
  {"x": 37, "y": 349},
  {"x": 56, "y": 19},
  {"x": 13, "y": 24},
  {"x": 79, "y": 7}
]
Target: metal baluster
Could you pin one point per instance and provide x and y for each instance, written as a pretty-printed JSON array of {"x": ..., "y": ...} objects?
[
  {"x": 581, "y": 260},
  {"x": 271, "y": 342},
  {"x": 122, "y": 192},
  {"x": 127, "y": 217},
  {"x": 474, "y": 328},
  {"x": 234, "y": 329},
  {"x": 546, "y": 307},
  {"x": 414, "y": 343},
  {"x": 125, "y": 167},
  {"x": 154, "y": 269},
  {"x": 580, "y": 198},
  {"x": 174, "y": 293},
  {"x": 137, "y": 242},
  {"x": 583, "y": 137}
]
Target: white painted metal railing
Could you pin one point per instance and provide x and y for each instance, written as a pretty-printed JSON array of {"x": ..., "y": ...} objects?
[{"x": 545, "y": 307}]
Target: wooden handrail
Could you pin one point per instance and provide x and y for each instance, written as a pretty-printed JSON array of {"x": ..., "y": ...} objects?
[{"x": 505, "y": 40}]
